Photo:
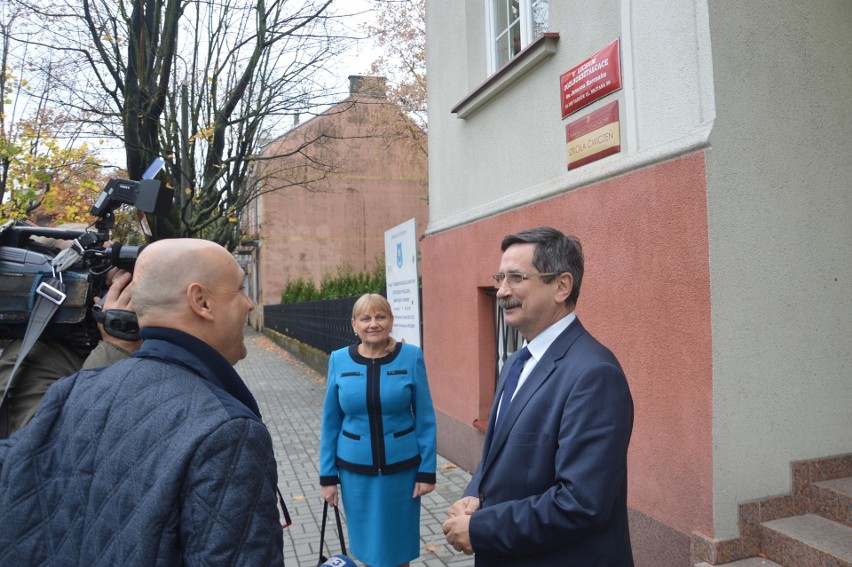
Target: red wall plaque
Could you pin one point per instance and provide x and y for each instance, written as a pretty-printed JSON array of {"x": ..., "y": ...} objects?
[
  {"x": 592, "y": 79},
  {"x": 593, "y": 136}
]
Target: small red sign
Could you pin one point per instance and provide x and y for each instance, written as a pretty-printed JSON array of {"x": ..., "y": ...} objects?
[
  {"x": 593, "y": 136},
  {"x": 592, "y": 79}
]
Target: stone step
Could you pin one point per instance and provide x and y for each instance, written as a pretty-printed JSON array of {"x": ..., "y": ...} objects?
[
  {"x": 807, "y": 540},
  {"x": 832, "y": 499},
  {"x": 749, "y": 562}
]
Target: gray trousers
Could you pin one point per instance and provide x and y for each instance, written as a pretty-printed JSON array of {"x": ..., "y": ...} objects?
[{"x": 47, "y": 362}]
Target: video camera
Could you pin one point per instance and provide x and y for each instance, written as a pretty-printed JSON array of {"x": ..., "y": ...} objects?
[{"x": 33, "y": 256}]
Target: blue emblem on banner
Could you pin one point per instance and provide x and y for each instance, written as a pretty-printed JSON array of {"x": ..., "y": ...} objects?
[{"x": 399, "y": 254}]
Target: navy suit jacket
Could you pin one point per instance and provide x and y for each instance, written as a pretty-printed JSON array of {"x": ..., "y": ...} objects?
[{"x": 552, "y": 480}]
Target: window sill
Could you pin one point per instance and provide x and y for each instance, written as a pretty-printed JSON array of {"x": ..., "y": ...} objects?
[{"x": 524, "y": 62}]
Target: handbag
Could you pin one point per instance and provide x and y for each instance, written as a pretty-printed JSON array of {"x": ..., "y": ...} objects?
[{"x": 341, "y": 560}]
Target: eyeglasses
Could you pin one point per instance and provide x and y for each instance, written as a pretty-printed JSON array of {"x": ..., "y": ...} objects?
[{"x": 515, "y": 278}]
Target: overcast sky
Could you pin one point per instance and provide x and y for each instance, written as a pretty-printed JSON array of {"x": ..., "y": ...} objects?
[{"x": 357, "y": 59}]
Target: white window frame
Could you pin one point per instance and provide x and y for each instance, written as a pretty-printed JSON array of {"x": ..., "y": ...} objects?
[{"x": 525, "y": 16}]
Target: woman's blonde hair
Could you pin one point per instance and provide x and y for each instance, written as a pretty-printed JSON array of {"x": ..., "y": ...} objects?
[{"x": 377, "y": 303}]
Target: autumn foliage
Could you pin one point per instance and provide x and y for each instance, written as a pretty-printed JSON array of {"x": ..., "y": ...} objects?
[
  {"x": 400, "y": 32},
  {"x": 43, "y": 180}
]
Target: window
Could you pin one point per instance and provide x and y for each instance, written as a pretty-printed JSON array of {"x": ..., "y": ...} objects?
[
  {"x": 512, "y": 25},
  {"x": 506, "y": 340}
]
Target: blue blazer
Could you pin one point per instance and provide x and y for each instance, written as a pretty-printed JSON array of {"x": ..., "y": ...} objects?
[
  {"x": 377, "y": 416},
  {"x": 553, "y": 479}
]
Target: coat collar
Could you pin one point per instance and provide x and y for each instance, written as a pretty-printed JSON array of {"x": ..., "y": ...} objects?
[{"x": 190, "y": 352}]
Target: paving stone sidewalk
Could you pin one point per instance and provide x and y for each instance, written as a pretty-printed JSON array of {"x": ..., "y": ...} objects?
[{"x": 290, "y": 396}]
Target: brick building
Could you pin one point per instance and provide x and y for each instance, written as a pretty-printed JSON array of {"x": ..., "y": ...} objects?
[{"x": 331, "y": 187}]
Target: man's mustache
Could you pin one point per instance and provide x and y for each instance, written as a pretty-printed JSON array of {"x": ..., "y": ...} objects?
[{"x": 508, "y": 303}]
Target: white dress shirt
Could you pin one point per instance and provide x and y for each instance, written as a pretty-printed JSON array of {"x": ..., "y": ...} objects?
[{"x": 538, "y": 346}]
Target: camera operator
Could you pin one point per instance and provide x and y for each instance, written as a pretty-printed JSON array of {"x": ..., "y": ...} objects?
[
  {"x": 28, "y": 254},
  {"x": 49, "y": 360}
]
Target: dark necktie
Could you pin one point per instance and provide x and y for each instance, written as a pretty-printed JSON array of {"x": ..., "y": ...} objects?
[{"x": 512, "y": 382}]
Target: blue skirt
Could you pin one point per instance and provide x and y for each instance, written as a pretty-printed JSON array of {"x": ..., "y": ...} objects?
[{"x": 382, "y": 518}]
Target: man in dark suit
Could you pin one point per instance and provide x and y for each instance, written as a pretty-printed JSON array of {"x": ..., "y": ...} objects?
[{"x": 551, "y": 487}]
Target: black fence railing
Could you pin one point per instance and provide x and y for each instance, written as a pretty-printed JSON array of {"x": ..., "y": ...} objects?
[{"x": 325, "y": 325}]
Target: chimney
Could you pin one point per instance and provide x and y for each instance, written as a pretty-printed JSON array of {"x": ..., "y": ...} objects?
[{"x": 367, "y": 85}]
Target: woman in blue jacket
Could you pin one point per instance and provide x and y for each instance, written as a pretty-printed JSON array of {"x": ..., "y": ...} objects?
[{"x": 378, "y": 438}]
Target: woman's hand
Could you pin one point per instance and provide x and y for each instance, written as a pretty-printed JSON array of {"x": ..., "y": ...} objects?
[
  {"x": 329, "y": 494},
  {"x": 422, "y": 488}
]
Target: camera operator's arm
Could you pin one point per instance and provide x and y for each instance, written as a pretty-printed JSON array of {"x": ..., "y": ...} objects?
[{"x": 112, "y": 349}]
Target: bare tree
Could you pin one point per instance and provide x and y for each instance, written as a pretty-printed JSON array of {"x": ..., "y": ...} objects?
[
  {"x": 400, "y": 31},
  {"x": 201, "y": 83}
]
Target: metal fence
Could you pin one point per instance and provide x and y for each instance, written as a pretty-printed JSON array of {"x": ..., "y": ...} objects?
[{"x": 325, "y": 325}]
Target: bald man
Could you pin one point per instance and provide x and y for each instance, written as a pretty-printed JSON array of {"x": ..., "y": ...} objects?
[{"x": 161, "y": 459}]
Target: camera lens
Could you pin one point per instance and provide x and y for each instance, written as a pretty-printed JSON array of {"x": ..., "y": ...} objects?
[{"x": 124, "y": 257}]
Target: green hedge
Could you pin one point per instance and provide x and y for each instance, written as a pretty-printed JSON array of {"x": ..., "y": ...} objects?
[{"x": 341, "y": 282}]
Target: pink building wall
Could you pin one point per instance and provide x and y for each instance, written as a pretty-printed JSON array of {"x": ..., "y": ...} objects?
[
  {"x": 372, "y": 177},
  {"x": 645, "y": 294}
]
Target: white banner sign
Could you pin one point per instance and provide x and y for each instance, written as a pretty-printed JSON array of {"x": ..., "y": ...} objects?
[{"x": 402, "y": 283}]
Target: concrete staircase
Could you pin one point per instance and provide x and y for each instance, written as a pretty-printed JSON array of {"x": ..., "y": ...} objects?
[{"x": 812, "y": 527}]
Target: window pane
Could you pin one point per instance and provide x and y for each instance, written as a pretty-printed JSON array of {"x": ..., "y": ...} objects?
[
  {"x": 501, "y": 17},
  {"x": 510, "y": 27},
  {"x": 515, "y": 9},
  {"x": 502, "y": 50},
  {"x": 515, "y": 34}
]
